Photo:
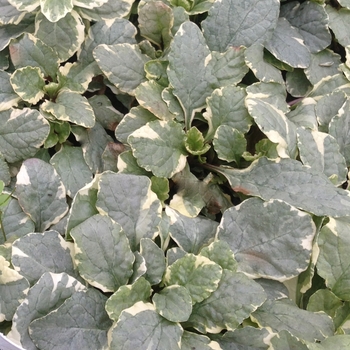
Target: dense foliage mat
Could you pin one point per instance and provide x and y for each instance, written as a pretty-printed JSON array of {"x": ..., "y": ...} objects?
[{"x": 174, "y": 174}]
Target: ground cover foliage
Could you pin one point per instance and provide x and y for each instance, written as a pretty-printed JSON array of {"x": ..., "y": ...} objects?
[{"x": 174, "y": 174}]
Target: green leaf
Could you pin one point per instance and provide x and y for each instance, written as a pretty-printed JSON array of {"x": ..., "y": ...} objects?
[
  {"x": 22, "y": 133},
  {"x": 225, "y": 26},
  {"x": 102, "y": 253},
  {"x": 198, "y": 274},
  {"x": 229, "y": 67},
  {"x": 10, "y": 14},
  {"x": 221, "y": 253},
  {"x": 159, "y": 147},
  {"x": 154, "y": 259},
  {"x": 332, "y": 263},
  {"x": 339, "y": 23},
  {"x": 156, "y": 331},
  {"x": 311, "y": 20},
  {"x": 226, "y": 106},
  {"x": 25, "y": 5},
  {"x": 229, "y": 143},
  {"x": 297, "y": 83},
  {"x": 190, "y": 341},
  {"x": 129, "y": 201},
  {"x": 265, "y": 72},
  {"x": 83, "y": 205},
  {"x": 232, "y": 302},
  {"x": 149, "y": 96},
  {"x": 93, "y": 143},
  {"x": 46, "y": 295},
  {"x": 123, "y": 65},
  {"x": 80, "y": 322},
  {"x": 275, "y": 125},
  {"x": 72, "y": 168},
  {"x": 321, "y": 152},
  {"x": 285, "y": 340},
  {"x": 37, "y": 253},
  {"x": 190, "y": 75},
  {"x": 190, "y": 234},
  {"x": 71, "y": 107},
  {"x": 33, "y": 52},
  {"x": 65, "y": 36},
  {"x": 127, "y": 164},
  {"x": 194, "y": 142},
  {"x": 135, "y": 119},
  {"x": 13, "y": 289},
  {"x": 41, "y": 193},
  {"x": 290, "y": 181},
  {"x": 155, "y": 22},
  {"x": 8, "y": 98},
  {"x": 324, "y": 300},
  {"x": 279, "y": 247},
  {"x": 160, "y": 186},
  {"x": 55, "y": 10},
  {"x": 14, "y": 221},
  {"x": 28, "y": 83},
  {"x": 339, "y": 128},
  {"x": 287, "y": 45},
  {"x": 173, "y": 303},
  {"x": 304, "y": 114},
  {"x": 281, "y": 315},
  {"x": 126, "y": 296}
]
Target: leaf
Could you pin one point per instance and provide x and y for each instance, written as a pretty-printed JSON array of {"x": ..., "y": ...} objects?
[
  {"x": 265, "y": 72},
  {"x": 229, "y": 67},
  {"x": 72, "y": 107},
  {"x": 46, "y": 295},
  {"x": 83, "y": 205},
  {"x": 129, "y": 201},
  {"x": 155, "y": 22},
  {"x": 339, "y": 129},
  {"x": 80, "y": 321},
  {"x": 22, "y": 132},
  {"x": 37, "y": 253},
  {"x": 281, "y": 315},
  {"x": 135, "y": 119},
  {"x": 321, "y": 152},
  {"x": 173, "y": 303},
  {"x": 159, "y": 147},
  {"x": 198, "y": 274},
  {"x": 339, "y": 23},
  {"x": 304, "y": 114},
  {"x": 194, "y": 142},
  {"x": 297, "y": 83},
  {"x": 332, "y": 263},
  {"x": 274, "y": 124},
  {"x": 154, "y": 259},
  {"x": 220, "y": 253},
  {"x": 28, "y": 83},
  {"x": 276, "y": 247},
  {"x": 72, "y": 168},
  {"x": 41, "y": 193},
  {"x": 190, "y": 341},
  {"x": 13, "y": 289},
  {"x": 324, "y": 300},
  {"x": 141, "y": 327},
  {"x": 93, "y": 143},
  {"x": 226, "y": 106},
  {"x": 126, "y": 296},
  {"x": 285, "y": 339},
  {"x": 190, "y": 75},
  {"x": 233, "y": 301},
  {"x": 33, "y": 52},
  {"x": 123, "y": 65},
  {"x": 65, "y": 36},
  {"x": 160, "y": 186},
  {"x": 311, "y": 20},
  {"x": 8, "y": 98},
  {"x": 229, "y": 143},
  {"x": 102, "y": 253},
  {"x": 10, "y": 14},
  {"x": 14, "y": 221},
  {"x": 290, "y": 181},
  {"x": 25, "y": 5},
  {"x": 54, "y": 10},
  {"x": 225, "y": 26},
  {"x": 287, "y": 45},
  {"x": 149, "y": 96},
  {"x": 190, "y": 234}
]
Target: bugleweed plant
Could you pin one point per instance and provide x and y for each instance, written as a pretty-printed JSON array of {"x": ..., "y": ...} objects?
[{"x": 174, "y": 174}]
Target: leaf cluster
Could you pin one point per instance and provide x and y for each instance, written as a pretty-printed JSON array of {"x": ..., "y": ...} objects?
[{"x": 174, "y": 174}]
